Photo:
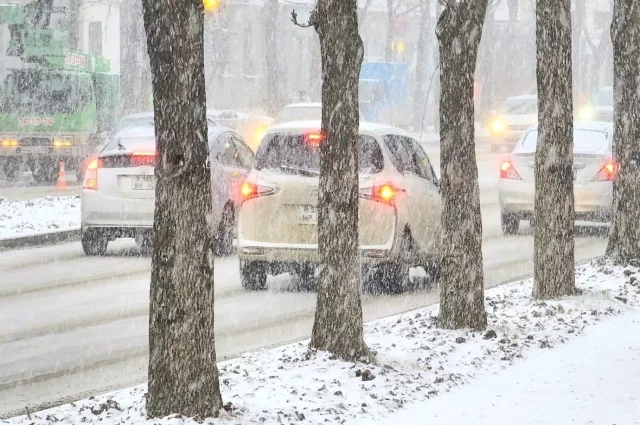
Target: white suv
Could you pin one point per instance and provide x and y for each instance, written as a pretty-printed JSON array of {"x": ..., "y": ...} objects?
[
  {"x": 399, "y": 207},
  {"x": 118, "y": 194}
]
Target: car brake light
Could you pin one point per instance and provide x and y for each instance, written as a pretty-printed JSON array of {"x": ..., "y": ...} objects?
[
  {"x": 250, "y": 190},
  {"x": 315, "y": 138},
  {"x": 385, "y": 193},
  {"x": 90, "y": 181},
  {"x": 508, "y": 172},
  {"x": 607, "y": 173}
]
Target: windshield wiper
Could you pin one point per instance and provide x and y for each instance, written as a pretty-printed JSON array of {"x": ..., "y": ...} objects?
[
  {"x": 298, "y": 170},
  {"x": 121, "y": 146}
]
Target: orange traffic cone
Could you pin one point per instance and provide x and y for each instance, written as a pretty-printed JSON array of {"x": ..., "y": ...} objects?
[{"x": 62, "y": 178}]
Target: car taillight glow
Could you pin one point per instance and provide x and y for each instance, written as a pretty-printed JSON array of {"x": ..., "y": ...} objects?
[
  {"x": 607, "y": 173},
  {"x": 250, "y": 190},
  {"x": 315, "y": 138},
  {"x": 508, "y": 172},
  {"x": 385, "y": 193},
  {"x": 90, "y": 181}
]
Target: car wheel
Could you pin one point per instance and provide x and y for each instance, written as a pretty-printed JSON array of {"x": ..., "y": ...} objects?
[
  {"x": 145, "y": 244},
  {"x": 253, "y": 275},
  {"x": 94, "y": 242},
  {"x": 510, "y": 223},
  {"x": 393, "y": 277},
  {"x": 226, "y": 233},
  {"x": 306, "y": 277}
]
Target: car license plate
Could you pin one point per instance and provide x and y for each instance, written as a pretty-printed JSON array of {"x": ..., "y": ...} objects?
[
  {"x": 143, "y": 183},
  {"x": 34, "y": 149},
  {"x": 307, "y": 214}
]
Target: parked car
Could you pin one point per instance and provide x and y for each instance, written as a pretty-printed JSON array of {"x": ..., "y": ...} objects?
[
  {"x": 593, "y": 173},
  {"x": 302, "y": 112},
  {"x": 600, "y": 108},
  {"x": 511, "y": 121},
  {"x": 118, "y": 195},
  {"x": 399, "y": 207}
]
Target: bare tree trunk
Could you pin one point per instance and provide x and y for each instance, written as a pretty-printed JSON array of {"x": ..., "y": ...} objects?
[
  {"x": 421, "y": 66},
  {"x": 459, "y": 31},
  {"x": 272, "y": 89},
  {"x": 624, "y": 243},
  {"x": 554, "y": 267},
  {"x": 388, "y": 48},
  {"x": 338, "y": 326},
  {"x": 183, "y": 376}
]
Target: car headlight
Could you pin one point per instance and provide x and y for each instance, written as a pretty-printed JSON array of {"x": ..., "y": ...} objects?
[
  {"x": 586, "y": 113},
  {"x": 498, "y": 126},
  {"x": 62, "y": 142},
  {"x": 8, "y": 142}
]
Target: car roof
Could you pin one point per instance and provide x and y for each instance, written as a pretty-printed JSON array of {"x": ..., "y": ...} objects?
[
  {"x": 306, "y": 126},
  {"x": 603, "y": 126},
  {"x": 524, "y": 97},
  {"x": 304, "y": 105},
  {"x": 138, "y": 131}
]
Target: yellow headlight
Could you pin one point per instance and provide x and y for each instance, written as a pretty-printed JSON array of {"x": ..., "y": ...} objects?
[
  {"x": 586, "y": 113},
  {"x": 8, "y": 143},
  {"x": 498, "y": 126},
  {"x": 61, "y": 143}
]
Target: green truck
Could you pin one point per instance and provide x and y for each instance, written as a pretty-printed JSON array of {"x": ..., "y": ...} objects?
[{"x": 56, "y": 103}]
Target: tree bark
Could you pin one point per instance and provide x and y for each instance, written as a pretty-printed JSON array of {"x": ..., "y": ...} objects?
[
  {"x": 459, "y": 31},
  {"x": 624, "y": 243},
  {"x": 183, "y": 376},
  {"x": 554, "y": 262},
  {"x": 421, "y": 67},
  {"x": 338, "y": 326},
  {"x": 272, "y": 89}
]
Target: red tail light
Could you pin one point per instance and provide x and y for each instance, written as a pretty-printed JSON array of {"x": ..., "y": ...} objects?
[
  {"x": 508, "y": 172},
  {"x": 385, "y": 193},
  {"x": 607, "y": 173},
  {"x": 250, "y": 190},
  {"x": 90, "y": 181},
  {"x": 315, "y": 138}
]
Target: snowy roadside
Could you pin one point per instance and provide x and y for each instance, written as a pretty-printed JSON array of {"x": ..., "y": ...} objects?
[
  {"x": 38, "y": 216},
  {"x": 415, "y": 361}
]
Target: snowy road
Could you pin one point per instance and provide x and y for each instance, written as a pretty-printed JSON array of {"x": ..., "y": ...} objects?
[{"x": 73, "y": 325}]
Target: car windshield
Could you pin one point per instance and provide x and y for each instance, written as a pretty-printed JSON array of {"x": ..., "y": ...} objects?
[
  {"x": 515, "y": 106},
  {"x": 295, "y": 154},
  {"x": 584, "y": 141},
  {"x": 299, "y": 113},
  {"x": 604, "y": 97},
  {"x": 40, "y": 92}
]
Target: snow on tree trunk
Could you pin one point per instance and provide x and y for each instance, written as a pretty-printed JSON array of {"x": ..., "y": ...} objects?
[
  {"x": 554, "y": 267},
  {"x": 338, "y": 326},
  {"x": 183, "y": 376},
  {"x": 271, "y": 89},
  {"x": 459, "y": 31},
  {"x": 624, "y": 243}
]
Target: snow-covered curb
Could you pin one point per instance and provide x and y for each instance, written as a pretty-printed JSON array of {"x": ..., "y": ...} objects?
[
  {"x": 38, "y": 216},
  {"x": 415, "y": 360}
]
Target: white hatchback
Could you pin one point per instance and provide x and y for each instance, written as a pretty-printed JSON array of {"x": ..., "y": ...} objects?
[
  {"x": 399, "y": 207},
  {"x": 118, "y": 196},
  {"x": 593, "y": 173}
]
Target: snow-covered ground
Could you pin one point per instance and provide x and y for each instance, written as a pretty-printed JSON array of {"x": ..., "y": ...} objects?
[
  {"x": 417, "y": 364},
  {"x": 36, "y": 216}
]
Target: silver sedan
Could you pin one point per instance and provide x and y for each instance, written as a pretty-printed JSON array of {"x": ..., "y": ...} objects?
[{"x": 593, "y": 173}]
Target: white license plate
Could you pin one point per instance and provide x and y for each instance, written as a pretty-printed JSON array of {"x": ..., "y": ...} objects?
[
  {"x": 307, "y": 214},
  {"x": 143, "y": 183},
  {"x": 34, "y": 149}
]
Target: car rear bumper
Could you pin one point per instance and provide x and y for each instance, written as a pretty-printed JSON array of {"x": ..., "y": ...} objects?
[
  {"x": 593, "y": 201},
  {"x": 100, "y": 210}
]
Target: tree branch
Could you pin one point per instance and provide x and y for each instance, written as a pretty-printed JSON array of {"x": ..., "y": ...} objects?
[{"x": 310, "y": 23}]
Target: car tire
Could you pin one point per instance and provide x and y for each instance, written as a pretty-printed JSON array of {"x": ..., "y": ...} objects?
[
  {"x": 253, "y": 275},
  {"x": 393, "y": 277},
  {"x": 510, "y": 224},
  {"x": 226, "y": 233},
  {"x": 94, "y": 242}
]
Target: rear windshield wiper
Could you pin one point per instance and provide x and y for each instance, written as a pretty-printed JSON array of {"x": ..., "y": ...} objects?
[{"x": 298, "y": 170}]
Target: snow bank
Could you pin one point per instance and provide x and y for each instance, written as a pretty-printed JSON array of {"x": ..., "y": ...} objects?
[
  {"x": 415, "y": 361},
  {"x": 43, "y": 215}
]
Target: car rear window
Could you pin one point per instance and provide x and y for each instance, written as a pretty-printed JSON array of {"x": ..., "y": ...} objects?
[
  {"x": 131, "y": 144},
  {"x": 519, "y": 107},
  {"x": 294, "y": 154},
  {"x": 584, "y": 141}
]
